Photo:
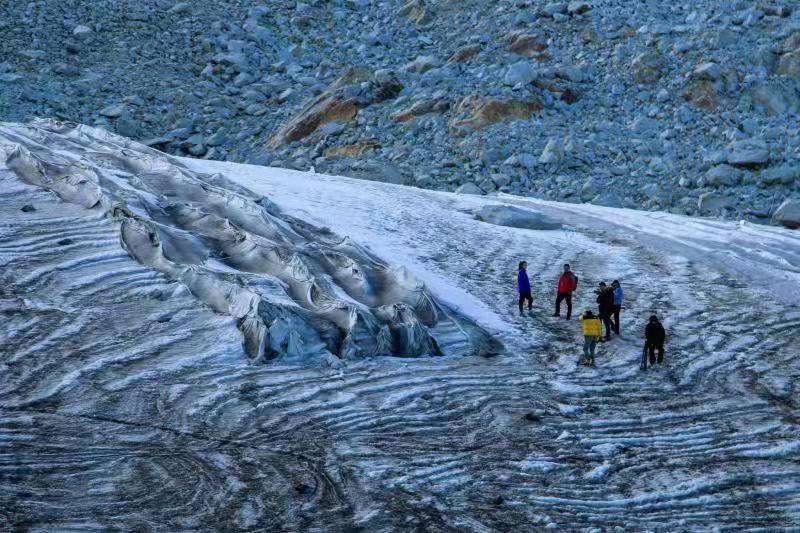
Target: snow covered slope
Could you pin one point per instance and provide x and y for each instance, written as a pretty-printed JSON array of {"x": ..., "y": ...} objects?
[{"x": 134, "y": 392}]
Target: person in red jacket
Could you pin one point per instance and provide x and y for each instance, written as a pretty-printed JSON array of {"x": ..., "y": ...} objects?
[{"x": 567, "y": 284}]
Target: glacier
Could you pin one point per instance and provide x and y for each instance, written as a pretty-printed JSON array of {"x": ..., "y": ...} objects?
[{"x": 200, "y": 345}]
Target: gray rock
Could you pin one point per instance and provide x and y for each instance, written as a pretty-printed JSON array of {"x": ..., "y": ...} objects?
[
  {"x": 711, "y": 202},
  {"x": 578, "y": 8},
  {"x": 82, "y": 32},
  {"x": 198, "y": 150},
  {"x": 575, "y": 74},
  {"x": 66, "y": 69},
  {"x": 180, "y": 7},
  {"x": 127, "y": 127},
  {"x": 608, "y": 199},
  {"x": 723, "y": 175},
  {"x": 379, "y": 171},
  {"x": 788, "y": 213},
  {"x": 243, "y": 79},
  {"x": 553, "y": 152},
  {"x": 422, "y": 64},
  {"x": 113, "y": 111},
  {"x": 514, "y": 217},
  {"x": 520, "y": 73},
  {"x": 785, "y": 174},
  {"x": 500, "y": 180},
  {"x": 332, "y": 128},
  {"x": 555, "y": 8},
  {"x": 11, "y": 77},
  {"x": 529, "y": 161},
  {"x": 589, "y": 189},
  {"x": 217, "y": 139},
  {"x": 776, "y": 98},
  {"x": 748, "y": 153},
  {"x": 708, "y": 71}
]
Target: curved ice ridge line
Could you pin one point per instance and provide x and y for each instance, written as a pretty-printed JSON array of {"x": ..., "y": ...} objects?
[{"x": 297, "y": 291}]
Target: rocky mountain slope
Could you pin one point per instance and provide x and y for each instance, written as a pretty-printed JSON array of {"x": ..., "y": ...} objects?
[{"x": 687, "y": 107}]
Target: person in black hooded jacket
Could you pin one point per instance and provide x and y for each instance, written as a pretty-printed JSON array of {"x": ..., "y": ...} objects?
[
  {"x": 654, "y": 339},
  {"x": 605, "y": 307}
]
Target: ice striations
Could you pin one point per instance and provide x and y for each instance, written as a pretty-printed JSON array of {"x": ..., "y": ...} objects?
[
  {"x": 129, "y": 282},
  {"x": 298, "y": 292}
]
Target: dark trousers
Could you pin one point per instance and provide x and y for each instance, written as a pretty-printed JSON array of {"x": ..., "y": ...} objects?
[
  {"x": 564, "y": 296},
  {"x": 525, "y": 296},
  {"x": 617, "y": 309},
  {"x": 606, "y": 318},
  {"x": 651, "y": 352}
]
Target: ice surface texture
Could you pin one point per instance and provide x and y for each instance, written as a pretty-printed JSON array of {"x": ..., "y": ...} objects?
[{"x": 298, "y": 292}]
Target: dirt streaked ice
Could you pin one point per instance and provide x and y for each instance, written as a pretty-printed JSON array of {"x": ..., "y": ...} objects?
[{"x": 192, "y": 345}]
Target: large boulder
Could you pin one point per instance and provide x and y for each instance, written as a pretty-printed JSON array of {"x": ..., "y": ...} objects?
[
  {"x": 527, "y": 44},
  {"x": 775, "y": 97},
  {"x": 417, "y": 12},
  {"x": 784, "y": 174},
  {"x": 748, "y": 153},
  {"x": 648, "y": 67},
  {"x": 553, "y": 152},
  {"x": 702, "y": 93},
  {"x": 723, "y": 175},
  {"x": 711, "y": 202},
  {"x": 708, "y": 71},
  {"x": 469, "y": 188},
  {"x": 788, "y": 213},
  {"x": 422, "y": 64},
  {"x": 515, "y": 217},
  {"x": 420, "y": 108},
  {"x": 352, "y": 150},
  {"x": 520, "y": 73},
  {"x": 577, "y": 7},
  {"x": 379, "y": 171},
  {"x": 465, "y": 53},
  {"x": 481, "y": 113},
  {"x": 340, "y": 102}
]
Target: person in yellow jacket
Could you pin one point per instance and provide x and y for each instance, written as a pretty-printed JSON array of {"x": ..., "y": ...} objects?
[{"x": 592, "y": 331}]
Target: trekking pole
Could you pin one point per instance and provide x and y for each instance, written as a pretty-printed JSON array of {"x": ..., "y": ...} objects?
[{"x": 643, "y": 366}]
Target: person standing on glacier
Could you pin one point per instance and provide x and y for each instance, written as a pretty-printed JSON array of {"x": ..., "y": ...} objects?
[
  {"x": 617, "y": 303},
  {"x": 654, "y": 335},
  {"x": 567, "y": 284},
  {"x": 524, "y": 287},
  {"x": 592, "y": 331},
  {"x": 605, "y": 306}
]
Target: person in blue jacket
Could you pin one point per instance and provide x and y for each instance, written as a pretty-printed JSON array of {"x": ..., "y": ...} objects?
[
  {"x": 617, "y": 303},
  {"x": 524, "y": 287}
]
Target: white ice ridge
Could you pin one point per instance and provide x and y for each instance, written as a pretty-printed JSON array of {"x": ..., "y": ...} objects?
[{"x": 296, "y": 290}]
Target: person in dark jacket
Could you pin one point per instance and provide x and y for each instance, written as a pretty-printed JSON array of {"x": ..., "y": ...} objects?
[
  {"x": 617, "y": 288},
  {"x": 524, "y": 286},
  {"x": 567, "y": 284},
  {"x": 605, "y": 306},
  {"x": 655, "y": 336}
]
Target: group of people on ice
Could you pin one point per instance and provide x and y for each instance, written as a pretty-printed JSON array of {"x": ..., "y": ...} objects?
[{"x": 609, "y": 307}]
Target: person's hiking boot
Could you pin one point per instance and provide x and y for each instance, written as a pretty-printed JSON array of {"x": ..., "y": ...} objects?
[{"x": 556, "y": 314}]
